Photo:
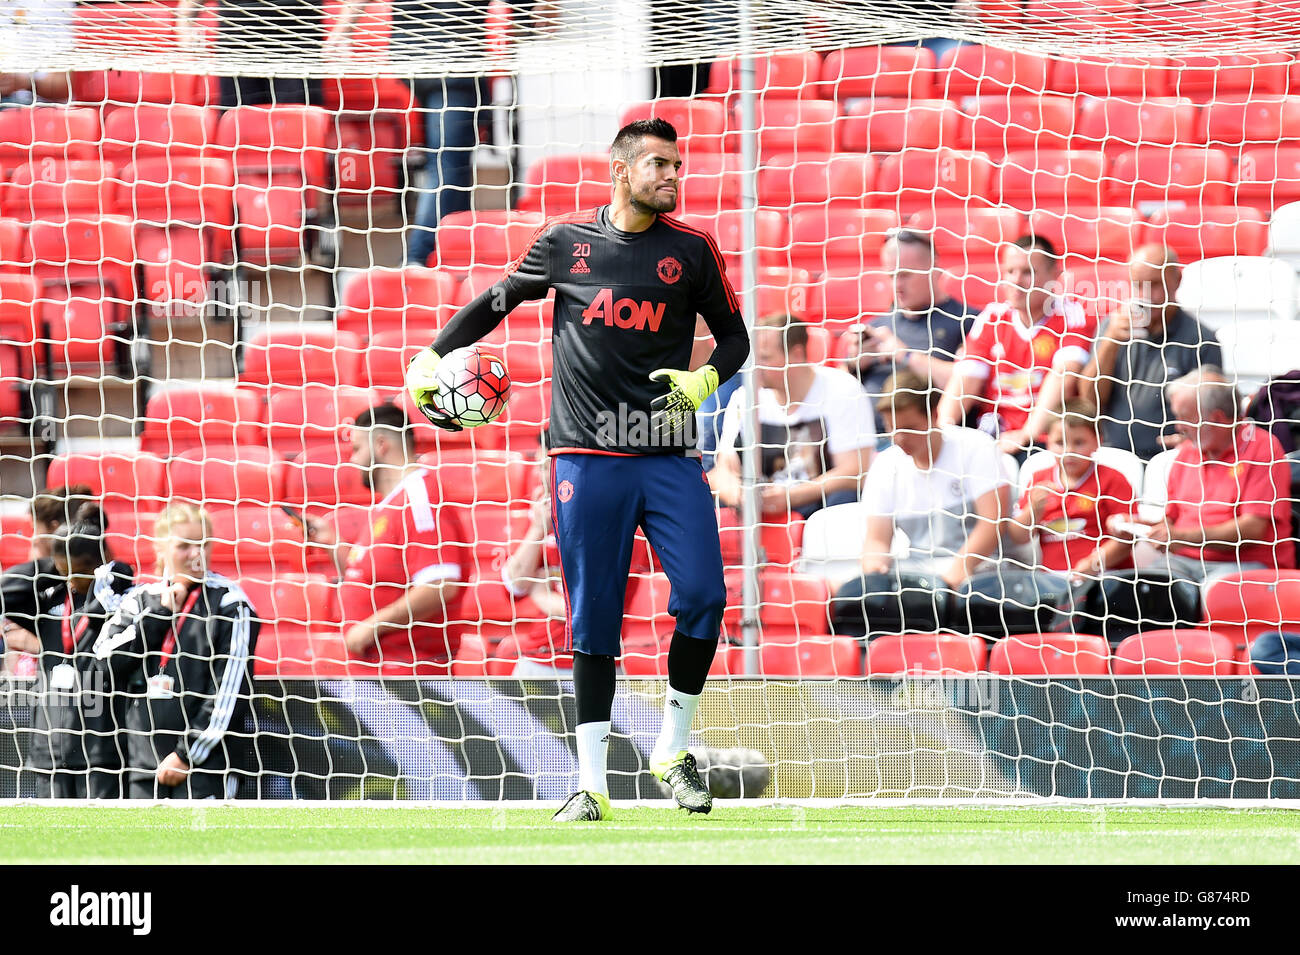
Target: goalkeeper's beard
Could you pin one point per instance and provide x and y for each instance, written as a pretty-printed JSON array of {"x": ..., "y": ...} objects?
[{"x": 652, "y": 204}]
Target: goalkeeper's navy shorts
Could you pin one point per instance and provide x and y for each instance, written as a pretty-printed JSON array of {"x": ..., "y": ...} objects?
[{"x": 597, "y": 503}]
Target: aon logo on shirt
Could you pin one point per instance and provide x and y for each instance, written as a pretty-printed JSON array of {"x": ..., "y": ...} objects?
[{"x": 625, "y": 313}]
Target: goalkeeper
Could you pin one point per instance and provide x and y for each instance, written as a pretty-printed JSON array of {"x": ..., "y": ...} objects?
[{"x": 629, "y": 282}]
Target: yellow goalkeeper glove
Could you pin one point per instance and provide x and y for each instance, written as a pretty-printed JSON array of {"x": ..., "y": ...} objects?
[
  {"x": 668, "y": 413},
  {"x": 422, "y": 385}
]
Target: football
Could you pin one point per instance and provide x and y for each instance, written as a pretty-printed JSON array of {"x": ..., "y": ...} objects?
[{"x": 473, "y": 385}]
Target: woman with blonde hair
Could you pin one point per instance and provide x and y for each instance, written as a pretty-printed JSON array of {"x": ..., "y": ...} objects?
[{"x": 181, "y": 650}]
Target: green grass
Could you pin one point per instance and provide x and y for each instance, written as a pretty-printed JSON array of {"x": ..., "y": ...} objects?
[{"x": 236, "y": 834}]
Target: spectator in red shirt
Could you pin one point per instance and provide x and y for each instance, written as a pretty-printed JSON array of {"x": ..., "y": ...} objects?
[
  {"x": 1070, "y": 507},
  {"x": 403, "y": 579},
  {"x": 1229, "y": 489},
  {"x": 1023, "y": 356}
]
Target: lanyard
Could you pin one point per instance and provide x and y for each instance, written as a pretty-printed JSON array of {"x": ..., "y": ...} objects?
[
  {"x": 169, "y": 645},
  {"x": 70, "y": 636}
]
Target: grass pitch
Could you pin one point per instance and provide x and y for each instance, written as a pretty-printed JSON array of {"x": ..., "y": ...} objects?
[{"x": 731, "y": 834}]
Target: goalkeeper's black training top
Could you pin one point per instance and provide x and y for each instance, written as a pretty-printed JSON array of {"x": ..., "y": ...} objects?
[{"x": 625, "y": 305}]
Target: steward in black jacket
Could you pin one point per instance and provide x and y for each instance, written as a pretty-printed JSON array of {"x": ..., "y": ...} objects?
[{"x": 182, "y": 654}]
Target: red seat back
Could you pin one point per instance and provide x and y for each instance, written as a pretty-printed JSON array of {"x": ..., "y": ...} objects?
[
  {"x": 148, "y": 131},
  {"x": 226, "y": 475},
  {"x": 1182, "y": 652},
  {"x": 1050, "y": 654},
  {"x": 940, "y": 653},
  {"x": 185, "y": 417},
  {"x": 300, "y": 355},
  {"x": 125, "y": 482}
]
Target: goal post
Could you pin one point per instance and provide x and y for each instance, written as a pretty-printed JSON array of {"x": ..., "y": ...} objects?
[{"x": 200, "y": 295}]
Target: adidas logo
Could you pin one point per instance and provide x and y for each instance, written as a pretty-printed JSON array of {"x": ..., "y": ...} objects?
[
  {"x": 605, "y": 738},
  {"x": 580, "y": 268},
  {"x": 674, "y": 703}
]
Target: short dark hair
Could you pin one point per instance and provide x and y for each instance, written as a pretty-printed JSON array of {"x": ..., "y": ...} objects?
[
  {"x": 627, "y": 144},
  {"x": 81, "y": 539},
  {"x": 906, "y": 389},
  {"x": 390, "y": 416},
  {"x": 793, "y": 332},
  {"x": 57, "y": 506},
  {"x": 1076, "y": 413},
  {"x": 1029, "y": 242}
]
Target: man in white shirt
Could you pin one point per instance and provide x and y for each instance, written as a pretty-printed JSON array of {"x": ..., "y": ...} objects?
[
  {"x": 946, "y": 488},
  {"x": 817, "y": 431}
]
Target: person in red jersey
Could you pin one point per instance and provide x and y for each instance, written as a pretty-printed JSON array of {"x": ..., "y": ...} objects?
[
  {"x": 1229, "y": 487},
  {"x": 402, "y": 580},
  {"x": 1024, "y": 352},
  {"x": 1070, "y": 507}
]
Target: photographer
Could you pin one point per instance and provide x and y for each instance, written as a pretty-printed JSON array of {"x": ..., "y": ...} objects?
[
  {"x": 73, "y": 751},
  {"x": 182, "y": 650}
]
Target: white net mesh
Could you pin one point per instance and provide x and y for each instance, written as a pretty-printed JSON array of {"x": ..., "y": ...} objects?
[{"x": 199, "y": 294}]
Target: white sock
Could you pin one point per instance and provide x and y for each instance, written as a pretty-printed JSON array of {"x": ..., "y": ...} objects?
[
  {"x": 593, "y": 753},
  {"x": 679, "y": 713}
]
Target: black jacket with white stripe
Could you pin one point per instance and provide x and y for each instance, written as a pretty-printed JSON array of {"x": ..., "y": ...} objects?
[{"x": 201, "y": 708}]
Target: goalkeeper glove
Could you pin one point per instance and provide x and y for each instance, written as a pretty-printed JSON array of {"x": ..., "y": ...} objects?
[
  {"x": 668, "y": 413},
  {"x": 422, "y": 385}
]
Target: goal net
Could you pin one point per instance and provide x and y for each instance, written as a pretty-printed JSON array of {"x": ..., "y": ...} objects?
[{"x": 1038, "y": 566}]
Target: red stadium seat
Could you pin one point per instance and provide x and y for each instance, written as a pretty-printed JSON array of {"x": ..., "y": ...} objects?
[
  {"x": 1245, "y": 604},
  {"x": 147, "y": 131},
  {"x": 560, "y": 184},
  {"x": 877, "y": 71},
  {"x": 223, "y": 476},
  {"x": 14, "y": 254},
  {"x": 15, "y": 538},
  {"x": 19, "y": 324},
  {"x": 1202, "y": 232},
  {"x": 780, "y": 536},
  {"x": 86, "y": 272},
  {"x": 372, "y": 117},
  {"x": 389, "y": 352},
  {"x": 888, "y": 125},
  {"x": 700, "y": 123},
  {"x": 1102, "y": 285},
  {"x": 941, "y": 653},
  {"x": 1117, "y": 124},
  {"x": 387, "y": 300},
  {"x": 1109, "y": 232},
  {"x": 727, "y": 229},
  {"x": 299, "y": 354},
  {"x": 1207, "y": 78},
  {"x": 55, "y": 190},
  {"x": 840, "y": 300},
  {"x": 973, "y": 70},
  {"x": 125, "y": 482},
  {"x": 839, "y": 240},
  {"x": 1170, "y": 173},
  {"x": 1119, "y": 76},
  {"x": 795, "y": 602},
  {"x": 118, "y": 88},
  {"x": 197, "y": 416},
  {"x": 130, "y": 538},
  {"x": 185, "y": 216},
  {"x": 791, "y": 126},
  {"x": 472, "y": 476},
  {"x": 969, "y": 238},
  {"x": 781, "y": 290},
  {"x": 1256, "y": 121},
  {"x": 1268, "y": 176},
  {"x": 298, "y": 418},
  {"x": 1181, "y": 652},
  {"x": 259, "y": 542},
  {"x": 1050, "y": 654},
  {"x": 494, "y": 237},
  {"x": 1003, "y": 124},
  {"x": 47, "y": 132},
  {"x": 322, "y": 476},
  {"x": 821, "y": 179},
  {"x": 1052, "y": 179},
  {"x": 710, "y": 181},
  {"x": 290, "y": 608},
  {"x": 281, "y": 158},
  {"x": 790, "y": 74},
  {"x": 917, "y": 179},
  {"x": 788, "y": 655}
]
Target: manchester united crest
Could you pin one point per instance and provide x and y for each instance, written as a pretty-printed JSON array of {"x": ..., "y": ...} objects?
[{"x": 670, "y": 270}]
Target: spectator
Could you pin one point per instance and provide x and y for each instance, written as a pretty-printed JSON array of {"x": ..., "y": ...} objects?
[
  {"x": 1068, "y": 507},
  {"x": 1276, "y": 653},
  {"x": 36, "y": 30},
  {"x": 270, "y": 29},
  {"x": 945, "y": 487},
  {"x": 817, "y": 433},
  {"x": 51, "y": 509},
  {"x": 708, "y": 419},
  {"x": 73, "y": 751},
  {"x": 532, "y": 573},
  {"x": 1229, "y": 489},
  {"x": 402, "y": 581},
  {"x": 181, "y": 650},
  {"x": 1147, "y": 343},
  {"x": 923, "y": 333},
  {"x": 1025, "y": 352}
]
